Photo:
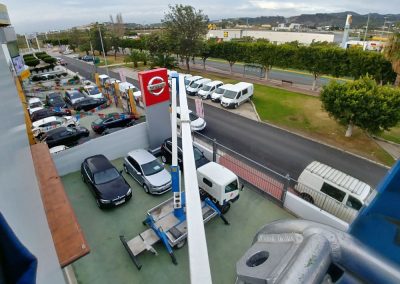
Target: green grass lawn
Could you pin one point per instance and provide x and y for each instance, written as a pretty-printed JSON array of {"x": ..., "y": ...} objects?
[
  {"x": 304, "y": 114},
  {"x": 392, "y": 135}
]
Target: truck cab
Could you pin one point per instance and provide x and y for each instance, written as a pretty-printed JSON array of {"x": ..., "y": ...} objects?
[{"x": 218, "y": 183}]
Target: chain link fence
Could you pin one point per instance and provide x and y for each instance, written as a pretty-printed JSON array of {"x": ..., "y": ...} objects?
[{"x": 271, "y": 183}]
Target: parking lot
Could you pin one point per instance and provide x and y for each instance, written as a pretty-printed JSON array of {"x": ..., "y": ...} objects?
[{"x": 108, "y": 262}]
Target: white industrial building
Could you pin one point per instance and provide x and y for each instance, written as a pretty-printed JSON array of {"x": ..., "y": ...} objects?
[{"x": 277, "y": 37}]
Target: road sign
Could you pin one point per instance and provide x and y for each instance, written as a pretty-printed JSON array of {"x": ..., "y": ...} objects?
[
  {"x": 226, "y": 34},
  {"x": 199, "y": 107}
]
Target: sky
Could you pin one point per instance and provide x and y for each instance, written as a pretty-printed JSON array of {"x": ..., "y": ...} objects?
[{"x": 43, "y": 15}]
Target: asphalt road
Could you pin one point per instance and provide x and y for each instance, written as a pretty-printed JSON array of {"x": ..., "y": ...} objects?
[
  {"x": 277, "y": 149},
  {"x": 296, "y": 78}
]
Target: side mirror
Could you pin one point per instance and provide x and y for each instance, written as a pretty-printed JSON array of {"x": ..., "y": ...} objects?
[{"x": 241, "y": 187}]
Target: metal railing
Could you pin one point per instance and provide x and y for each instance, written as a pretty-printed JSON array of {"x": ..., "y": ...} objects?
[{"x": 271, "y": 183}]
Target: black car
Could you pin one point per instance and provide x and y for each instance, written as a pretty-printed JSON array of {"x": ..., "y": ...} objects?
[
  {"x": 111, "y": 121},
  {"x": 43, "y": 113},
  {"x": 166, "y": 154},
  {"x": 55, "y": 100},
  {"x": 87, "y": 58},
  {"x": 106, "y": 183},
  {"x": 67, "y": 136},
  {"x": 111, "y": 130},
  {"x": 89, "y": 103}
]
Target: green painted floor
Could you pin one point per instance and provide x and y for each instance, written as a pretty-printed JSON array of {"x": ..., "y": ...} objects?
[{"x": 108, "y": 262}]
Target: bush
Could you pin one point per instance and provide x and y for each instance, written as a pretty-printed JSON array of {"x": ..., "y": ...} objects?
[
  {"x": 49, "y": 59},
  {"x": 32, "y": 62}
]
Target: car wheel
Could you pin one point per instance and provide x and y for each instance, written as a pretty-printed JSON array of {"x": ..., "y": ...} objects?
[
  {"x": 146, "y": 189},
  {"x": 236, "y": 105},
  {"x": 307, "y": 197}
]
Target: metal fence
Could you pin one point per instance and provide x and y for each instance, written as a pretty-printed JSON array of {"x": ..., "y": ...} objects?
[{"x": 272, "y": 183}]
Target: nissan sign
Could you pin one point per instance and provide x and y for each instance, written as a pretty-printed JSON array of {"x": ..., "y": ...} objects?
[{"x": 154, "y": 87}]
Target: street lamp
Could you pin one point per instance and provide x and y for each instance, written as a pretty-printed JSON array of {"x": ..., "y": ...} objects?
[
  {"x": 91, "y": 49},
  {"x": 102, "y": 47}
]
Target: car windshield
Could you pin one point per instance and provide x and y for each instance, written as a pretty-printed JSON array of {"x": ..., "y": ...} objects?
[
  {"x": 197, "y": 154},
  {"x": 187, "y": 81},
  {"x": 37, "y": 104},
  {"x": 219, "y": 91},
  {"x": 206, "y": 88},
  {"x": 94, "y": 91},
  {"x": 194, "y": 85},
  {"x": 192, "y": 116},
  {"x": 231, "y": 187},
  {"x": 230, "y": 94},
  {"x": 76, "y": 95},
  {"x": 98, "y": 121},
  {"x": 106, "y": 176},
  {"x": 152, "y": 168}
]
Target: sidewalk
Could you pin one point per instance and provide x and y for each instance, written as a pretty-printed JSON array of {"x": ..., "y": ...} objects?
[
  {"x": 392, "y": 148},
  {"x": 303, "y": 89}
]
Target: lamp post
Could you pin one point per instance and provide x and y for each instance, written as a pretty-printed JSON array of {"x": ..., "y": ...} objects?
[
  {"x": 104, "y": 54},
  {"x": 92, "y": 51}
]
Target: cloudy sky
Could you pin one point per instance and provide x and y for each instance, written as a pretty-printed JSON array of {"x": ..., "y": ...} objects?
[{"x": 44, "y": 15}]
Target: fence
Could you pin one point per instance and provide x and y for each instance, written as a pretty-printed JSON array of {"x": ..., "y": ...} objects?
[{"x": 272, "y": 183}]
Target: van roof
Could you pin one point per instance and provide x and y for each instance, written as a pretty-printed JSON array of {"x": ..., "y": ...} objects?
[
  {"x": 203, "y": 80},
  {"x": 213, "y": 83},
  {"x": 195, "y": 78},
  {"x": 351, "y": 184},
  {"x": 217, "y": 173},
  {"x": 226, "y": 86},
  {"x": 240, "y": 86},
  {"x": 103, "y": 76}
]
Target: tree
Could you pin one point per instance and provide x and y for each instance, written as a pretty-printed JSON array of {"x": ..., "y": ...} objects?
[
  {"x": 117, "y": 32},
  {"x": 134, "y": 57},
  {"x": 362, "y": 103},
  {"x": 185, "y": 27},
  {"x": 264, "y": 54},
  {"x": 230, "y": 51},
  {"x": 205, "y": 53},
  {"x": 392, "y": 52},
  {"x": 95, "y": 35}
]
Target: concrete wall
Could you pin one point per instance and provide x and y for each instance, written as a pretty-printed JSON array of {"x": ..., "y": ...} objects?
[
  {"x": 308, "y": 211},
  {"x": 113, "y": 146},
  {"x": 20, "y": 199}
]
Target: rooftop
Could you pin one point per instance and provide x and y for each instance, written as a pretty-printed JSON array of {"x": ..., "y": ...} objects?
[{"x": 108, "y": 261}]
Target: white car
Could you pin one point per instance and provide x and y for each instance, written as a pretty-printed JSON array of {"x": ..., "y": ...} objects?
[
  {"x": 196, "y": 123},
  {"x": 44, "y": 125},
  {"x": 125, "y": 86},
  {"x": 93, "y": 92},
  {"x": 34, "y": 104},
  {"x": 207, "y": 89},
  {"x": 194, "y": 87},
  {"x": 58, "y": 149},
  {"x": 219, "y": 92}
]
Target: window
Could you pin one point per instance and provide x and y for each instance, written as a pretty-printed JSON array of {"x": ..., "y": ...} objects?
[
  {"x": 239, "y": 95},
  {"x": 230, "y": 94},
  {"x": 333, "y": 192},
  {"x": 178, "y": 115},
  {"x": 130, "y": 160},
  {"x": 169, "y": 146},
  {"x": 353, "y": 203},
  {"x": 152, "y": 168},
  {"x": 207, "y": 182},
  {"x": 245, "y": 91},
  {"x": 105, "y": 176},
  {"x": 136, "y": 166},
  {"x": 232, "y": 186}
]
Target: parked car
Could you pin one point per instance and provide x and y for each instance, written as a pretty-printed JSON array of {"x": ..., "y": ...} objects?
[
  {"x": 73, "y": 96},
  {"x": 89, "y": 103},
  {"x": 43, "y": 113},
  {"x": 106, "y": 183},
  {"x": 111, "y": 121},
  {"x": 93, "y": 92},
  {"x": 237, "y": 95},
  {"x": 58, "y": 149},
  {"x": 191, "y": 79},
  {"x": 55, "y": 100},
  {"x": 61, "y": 61},
  {"x": 112, "y": 130},
  {"x": 124, "y": 88},
  {"x": 193, "y": 88},
  {"x": 207, "y": 89},
  {"x": 147, "y": 171},
  {"x": 196, "y": 123},
  {"x": 34, "y": 104},
  {"x": 219, "y": 92},
  {"x": 44, "y": 125},
  {"x": 64, "y": 136},
  {"x": 325, "y": 186},
  {"x": 166, "y": 154},
  {"x": 87, "y": 58}
]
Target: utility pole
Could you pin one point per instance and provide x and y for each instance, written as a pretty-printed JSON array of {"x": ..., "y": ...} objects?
[
  {"x": 104, "y": 54},
  {"x": 365, "y": 34},
  {"x": 92, "y": 51}
]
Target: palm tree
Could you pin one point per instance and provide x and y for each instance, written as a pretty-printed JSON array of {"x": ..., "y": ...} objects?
[{"x": 392, "y": 52}]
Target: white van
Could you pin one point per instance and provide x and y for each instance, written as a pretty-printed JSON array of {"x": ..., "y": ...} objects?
[
  {"x": 208, "y": 89},
  {"x": 191, "y": 79},
  {"x": 196, "y": 86},
  {"x": 238, "y": 94},
  {"x": 319, "y": 180},
  {"x": 217, "y": 94}
]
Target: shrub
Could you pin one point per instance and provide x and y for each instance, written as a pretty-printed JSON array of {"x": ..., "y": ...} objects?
[
  {"x": 49, "y": 59},
  {"x": 32, "y": 63}
]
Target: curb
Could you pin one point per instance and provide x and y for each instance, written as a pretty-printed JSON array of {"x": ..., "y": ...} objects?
[
  {"x": 255, "y": 110},
  {"x": 384, "y": 140}
]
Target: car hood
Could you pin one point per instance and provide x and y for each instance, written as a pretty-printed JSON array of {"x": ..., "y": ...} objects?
[
  {"x": 159, "y": 178},
  {"x": 202, "y": 92},
  {"x": 215, "y": 95},
  {"x": 226, "y": 100},
  {"x": 113, "y": 189},
  {"x": 190, "y": 89},
  {"x": 197, "y": 123}
]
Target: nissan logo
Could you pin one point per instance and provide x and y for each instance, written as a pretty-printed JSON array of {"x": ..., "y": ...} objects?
[{"x": 156, "y": 86}]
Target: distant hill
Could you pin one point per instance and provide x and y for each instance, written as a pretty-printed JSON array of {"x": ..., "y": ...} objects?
[{"x": 321, "y": 19}]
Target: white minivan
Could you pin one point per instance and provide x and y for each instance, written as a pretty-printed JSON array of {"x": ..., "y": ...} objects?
[
  {"x": 196, "y": 86},
  {"x": 207, "y": 89},
  {"x": 218, "y": 93},
  {"x": 329, "y": 188},
  {"x": 237, "y": 94},
  {"x": 191, "y": 79}
]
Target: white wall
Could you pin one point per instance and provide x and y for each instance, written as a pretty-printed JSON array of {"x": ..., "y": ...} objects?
[
  {"x": 113, "y": 146},
  {"x": 308, "y": 211}
]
